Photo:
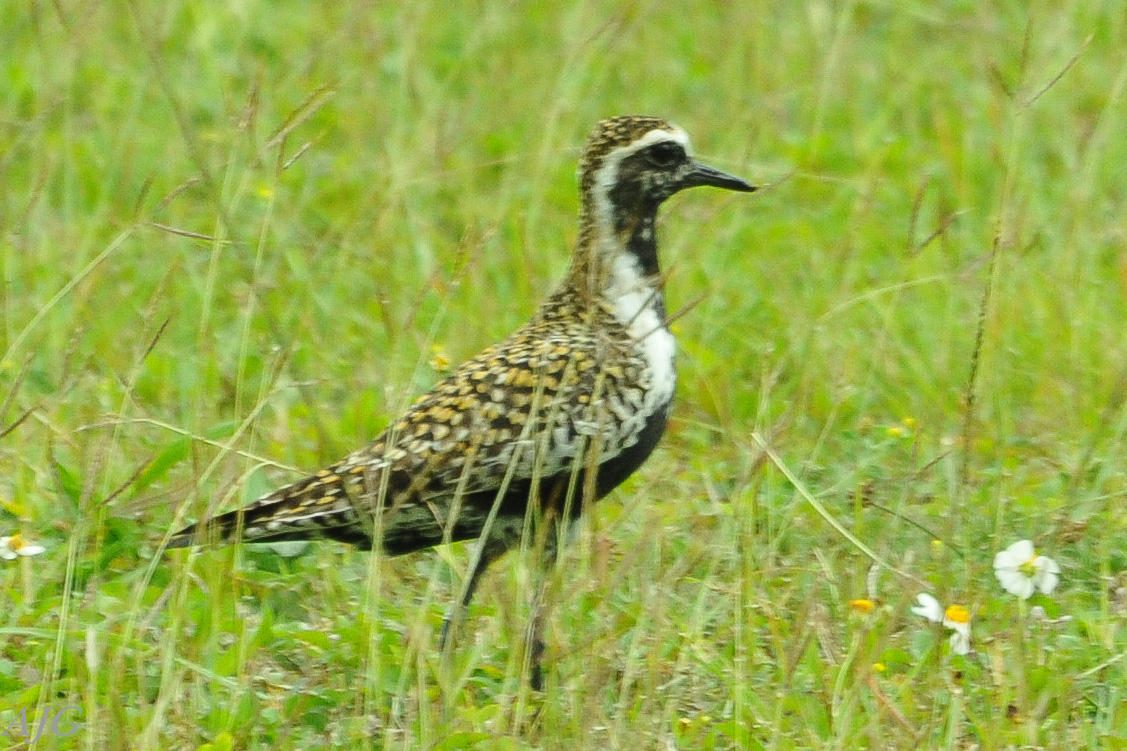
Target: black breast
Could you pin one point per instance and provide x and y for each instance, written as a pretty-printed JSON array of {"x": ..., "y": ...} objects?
[{"x": 614, "y": 471}]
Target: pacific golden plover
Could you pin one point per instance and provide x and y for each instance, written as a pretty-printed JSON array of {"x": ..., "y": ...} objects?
[{"x": 535, "y": 428}]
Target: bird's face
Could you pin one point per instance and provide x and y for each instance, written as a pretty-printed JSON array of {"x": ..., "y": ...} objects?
[
  {"x": 657, "y": 166},
  {"x": 633, "y": 164}
]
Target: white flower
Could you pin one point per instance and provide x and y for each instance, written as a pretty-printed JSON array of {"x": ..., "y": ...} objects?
[
  {"x": 12, "y": 546},
  {"x": 1021, "y": 571},
  {"x": 929, "y": 608},
  {"x": 955, "y": 617}
]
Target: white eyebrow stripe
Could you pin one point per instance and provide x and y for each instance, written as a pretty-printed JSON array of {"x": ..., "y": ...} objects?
[{"x": 654, "y": 136}]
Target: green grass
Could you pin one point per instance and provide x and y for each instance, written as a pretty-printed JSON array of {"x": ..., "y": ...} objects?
[{"x": 234, "y": 237}]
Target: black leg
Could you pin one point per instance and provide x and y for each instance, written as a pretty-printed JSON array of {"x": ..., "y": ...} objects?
[
  {"x": 506, "y": 536},
  {"x": 536, "y": 618},
  {"x": 536, "y": 647},
  {"x": 486, "y": 553}
]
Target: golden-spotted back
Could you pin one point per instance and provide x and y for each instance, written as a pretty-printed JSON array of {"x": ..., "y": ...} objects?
[{"x": 570, "y": 383}]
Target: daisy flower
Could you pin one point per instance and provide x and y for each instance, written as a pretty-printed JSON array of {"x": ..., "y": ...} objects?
[
  {"x": 955, "y": 617},
  {"x": 1022, "y": 572},
  {"x": 12, "y": 546}
]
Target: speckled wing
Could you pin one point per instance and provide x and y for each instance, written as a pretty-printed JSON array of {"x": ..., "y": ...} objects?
[{"x": 565, "y": 389}]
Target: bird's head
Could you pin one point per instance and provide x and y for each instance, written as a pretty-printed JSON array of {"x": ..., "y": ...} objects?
[{"x": 632, "y": 163}]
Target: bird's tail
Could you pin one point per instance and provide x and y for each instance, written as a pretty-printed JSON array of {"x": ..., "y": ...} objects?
[
  {"x": 316, "y": 507},
  {"x": 220, "y": 530}
]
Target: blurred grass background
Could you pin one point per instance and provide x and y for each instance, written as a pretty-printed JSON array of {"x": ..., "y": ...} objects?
[{"x": 238, "y": 238}]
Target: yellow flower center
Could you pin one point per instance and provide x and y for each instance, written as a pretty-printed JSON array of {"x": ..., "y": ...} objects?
[
  {"x": 16, "y": 542},
  {"x": 957, "y": 614},
  {"x": 1029, "y": 568}
]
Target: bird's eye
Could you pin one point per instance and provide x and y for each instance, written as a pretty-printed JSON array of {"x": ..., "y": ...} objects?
[{"x": 665, "y": 154}]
